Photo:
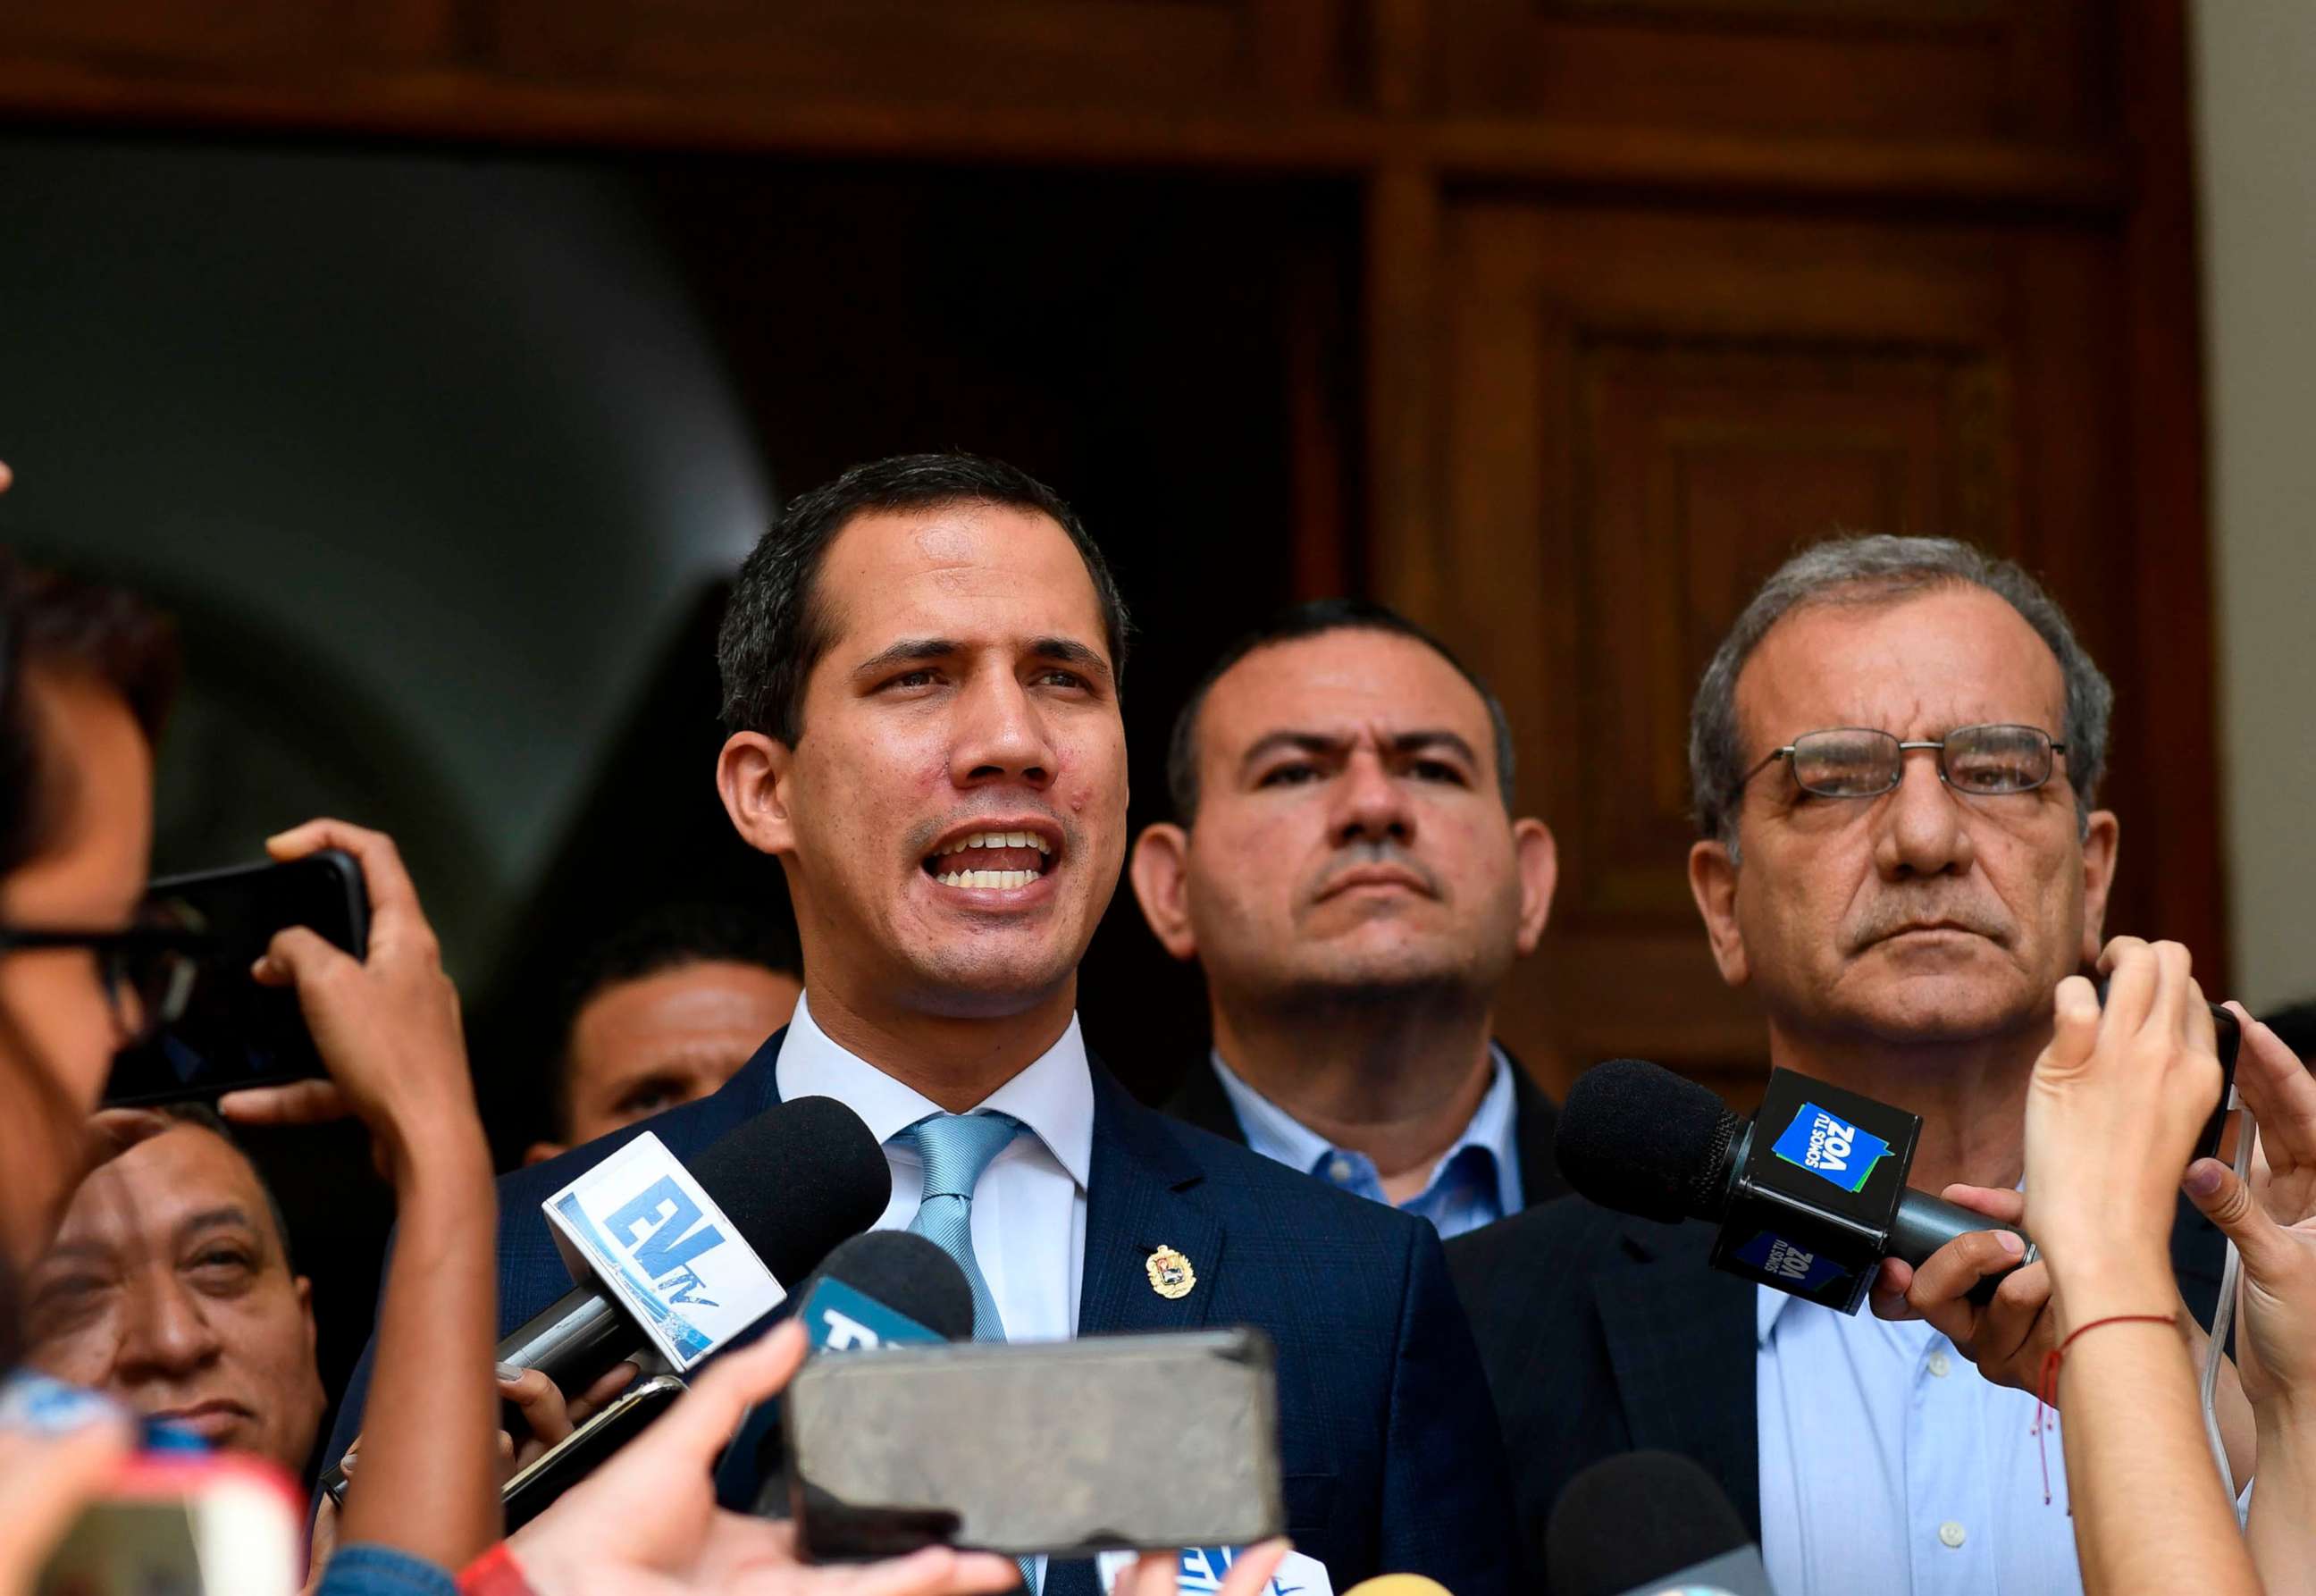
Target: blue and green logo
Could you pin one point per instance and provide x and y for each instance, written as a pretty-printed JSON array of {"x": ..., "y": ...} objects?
[{"x": 1830, "y": 1149}]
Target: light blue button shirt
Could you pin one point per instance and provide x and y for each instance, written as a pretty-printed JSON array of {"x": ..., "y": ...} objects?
[
  {"x": 1477, "y": 1183},
  {"x": 1889, "y": 1464}
]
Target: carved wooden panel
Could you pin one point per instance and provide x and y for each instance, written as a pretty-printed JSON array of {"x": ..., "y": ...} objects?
[
  {"x": 907, "y": 53},
  {"x": 1644, "y": 414},
  {"x": 2026, "y": 70},
  {"x": 1051, "y": 51}
]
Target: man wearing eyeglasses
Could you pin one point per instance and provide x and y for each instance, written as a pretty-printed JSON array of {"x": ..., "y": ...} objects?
[{"x": 1894, "y": 757}]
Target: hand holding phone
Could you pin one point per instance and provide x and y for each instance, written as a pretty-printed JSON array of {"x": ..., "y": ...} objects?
[{"x": 385, "y": 1026}]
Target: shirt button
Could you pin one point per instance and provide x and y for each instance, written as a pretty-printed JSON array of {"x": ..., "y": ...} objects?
[
  {"x": 1338, "y": 1169},
  {"x": 1950, "y": 1533},
  {"x": 1942, "y": 1366}
]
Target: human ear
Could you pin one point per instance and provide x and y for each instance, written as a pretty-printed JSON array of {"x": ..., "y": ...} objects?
[
  {"x": 1537, "y": 859},
  {"x": 751, "y": 778},
  {"x": 1713, "y": 883},
  {"x": 1160, "y": 870}
]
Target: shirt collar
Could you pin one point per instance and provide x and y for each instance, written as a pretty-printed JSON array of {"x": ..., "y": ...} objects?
[
  {"x": 1277, "y": 1134},
  {"x": 1052, "y": 1095}
]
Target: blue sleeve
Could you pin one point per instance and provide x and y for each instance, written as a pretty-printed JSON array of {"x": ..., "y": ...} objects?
[
  {"x": 1448, "y": 1505},
  {"x": 366, "y": 1569}
]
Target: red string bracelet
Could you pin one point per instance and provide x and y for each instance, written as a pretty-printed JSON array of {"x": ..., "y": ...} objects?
[
  {"x": 2046, "y": 1398},
  {"x": 494, "y": 1573}
]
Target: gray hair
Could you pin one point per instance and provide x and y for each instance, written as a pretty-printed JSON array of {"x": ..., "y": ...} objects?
[{"x": 1881, "y": 569}]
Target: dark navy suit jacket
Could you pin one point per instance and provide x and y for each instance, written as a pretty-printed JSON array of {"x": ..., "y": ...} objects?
[
  {"x": 1605, "y": 1333},
  {"x": 1392, "y": 1459}
]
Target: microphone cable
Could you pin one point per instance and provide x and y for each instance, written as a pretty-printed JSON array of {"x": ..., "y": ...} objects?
[{"x": 2224, "y": 1315}]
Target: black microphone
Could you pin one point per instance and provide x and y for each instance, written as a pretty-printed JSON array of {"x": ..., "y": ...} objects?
[
  {"x": 1649, "y": 1524},
  {"x": 1810, "y": 1194},
  {"x": 795, "y": 1180},
  {"x": 886, "y": 1288}
]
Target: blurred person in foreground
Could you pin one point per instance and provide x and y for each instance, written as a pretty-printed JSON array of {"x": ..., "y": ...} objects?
[
  {"x": 2116, "y": 1102},
  {"x": 1895, "y": 754},
  {"x": 88, "y": 674},
  {"x": 1346, "y": 866},
  {"x": 170, "y": 1287},
  {"x": 83, "y": 675},
  {"x": 665, "y": 1011},
  {"x": 922, "y": 663}
]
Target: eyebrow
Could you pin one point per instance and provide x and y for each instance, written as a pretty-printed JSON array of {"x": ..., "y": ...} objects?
[
  {"x": 231, "y": 1213},
  {"x": 1413, "y": 742},
  {"x": 917, "y": 651}
]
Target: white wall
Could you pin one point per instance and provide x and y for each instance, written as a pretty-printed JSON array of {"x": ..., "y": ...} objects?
[{"x": 2255, "y": 86}]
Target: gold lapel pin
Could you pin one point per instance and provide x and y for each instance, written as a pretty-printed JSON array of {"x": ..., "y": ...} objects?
[{"x": 1170, "y": 1274}]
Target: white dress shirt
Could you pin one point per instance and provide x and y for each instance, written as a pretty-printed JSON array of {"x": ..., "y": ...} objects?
[
  {"x": 1029, "y": 1207},
  {"x": 1890, "y": 1464}
]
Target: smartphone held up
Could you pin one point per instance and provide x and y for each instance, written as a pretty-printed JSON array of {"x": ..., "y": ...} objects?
[{"x": 219, "y": 1030}]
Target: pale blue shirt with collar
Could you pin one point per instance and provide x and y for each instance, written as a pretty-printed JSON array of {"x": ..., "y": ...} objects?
[
  {"x": 1477, "y": 1183},
  {"x": 1890, "y": 1464},
  {"x": 1029, "y": 1205}
]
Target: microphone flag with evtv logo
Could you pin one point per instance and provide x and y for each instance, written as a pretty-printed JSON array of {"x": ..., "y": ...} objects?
[
  {"x": 1649, "y": 1524},
  {"x": 680, "y": 1255},
  {"x": 696, "y": 1255}
]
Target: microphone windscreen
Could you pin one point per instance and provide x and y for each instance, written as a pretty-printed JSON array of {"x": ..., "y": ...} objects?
[
  {"x": 1638, "y": 1139},
  {"x": 796, "y": 1180},
  {"x": 1636, "y": 1518},
  {"x": 911, "y": 1276}
]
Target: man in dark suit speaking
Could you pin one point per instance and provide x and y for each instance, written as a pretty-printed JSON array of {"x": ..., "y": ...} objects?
[{"x": 920, "y": 665}]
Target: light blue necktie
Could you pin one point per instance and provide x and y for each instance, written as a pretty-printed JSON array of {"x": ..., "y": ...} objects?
[{"x": 956, "y": 1148}]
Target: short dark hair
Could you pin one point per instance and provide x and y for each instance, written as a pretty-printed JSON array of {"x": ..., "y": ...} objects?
[
  {"x": 668, "y": 938},
  {"x": 54, "y": 622},
  {"x": 774, "y": 629},
  {"x": 1311, "y": 618},
  {"x": 200, "y": 1116}
]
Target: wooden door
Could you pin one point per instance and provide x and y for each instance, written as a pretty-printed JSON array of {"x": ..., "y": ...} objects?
[{"x": 1645, "y": 413}]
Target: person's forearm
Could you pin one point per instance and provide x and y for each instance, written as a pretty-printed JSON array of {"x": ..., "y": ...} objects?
[
  {"x": 427, "y": 1479},
  {"x": 2282, "y": 1527},
  {"x": 2150, "y": 1515}
]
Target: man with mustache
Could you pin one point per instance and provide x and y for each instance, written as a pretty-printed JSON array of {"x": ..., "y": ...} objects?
[
  {"x": 920, "y": 665},
  {"x": 1894, "y": 757},
  {"x": 1345, "y": 868},
  {"x": 170, "y": 1285}
]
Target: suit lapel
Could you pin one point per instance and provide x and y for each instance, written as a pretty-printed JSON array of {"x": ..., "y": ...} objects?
[
  {"x": 1200, "y": 1100},
  {"x": 1681, "y": 1340},
  {"x": 1134, "y": 1205},
  {"x": 1534, "y": 1124}
]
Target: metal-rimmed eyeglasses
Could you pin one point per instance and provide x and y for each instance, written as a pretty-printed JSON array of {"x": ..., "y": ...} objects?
[
  {"x": 1858, "y": 762},
  {"x": 148, "y": 972}
]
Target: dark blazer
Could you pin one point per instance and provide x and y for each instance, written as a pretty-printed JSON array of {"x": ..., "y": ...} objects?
[
  {"x": 1200, "y": 1100},
  {"x": 1604, "y": 1333},
  {"x": 1387, "y": 1442}
]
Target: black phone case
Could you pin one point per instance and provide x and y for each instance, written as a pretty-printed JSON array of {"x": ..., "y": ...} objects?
[
  {"x": 580, "y": 1453},
  {"x": 238, "y": 1034}
]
